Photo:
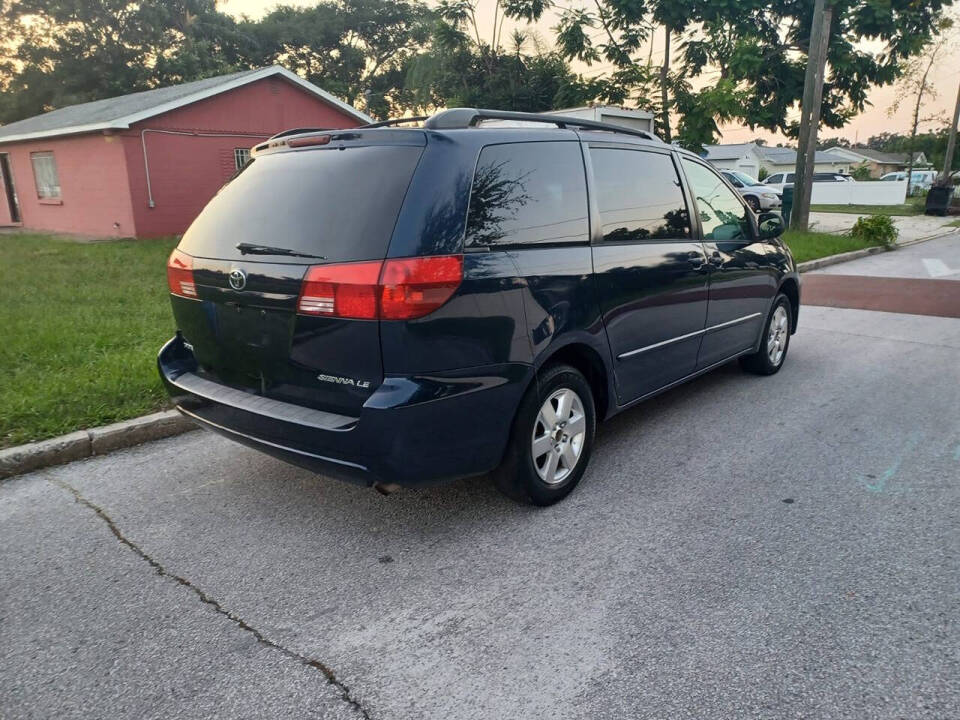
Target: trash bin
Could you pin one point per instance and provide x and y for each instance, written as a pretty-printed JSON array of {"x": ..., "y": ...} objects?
[
  {"x": 787, "y": 207},
  {"x": 938, "y": 200}
]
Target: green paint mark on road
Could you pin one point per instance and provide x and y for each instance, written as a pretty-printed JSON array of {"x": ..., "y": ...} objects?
[{"x": 884, "y": 482}]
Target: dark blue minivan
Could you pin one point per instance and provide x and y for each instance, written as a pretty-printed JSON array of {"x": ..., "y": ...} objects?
[{"x": 399, "y": 306}]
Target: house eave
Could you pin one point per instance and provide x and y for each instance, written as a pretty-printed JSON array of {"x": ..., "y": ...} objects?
[{"x": 123, "y": 123}]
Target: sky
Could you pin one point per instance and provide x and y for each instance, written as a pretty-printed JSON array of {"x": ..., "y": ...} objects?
[{"x": 944, "y": 81}]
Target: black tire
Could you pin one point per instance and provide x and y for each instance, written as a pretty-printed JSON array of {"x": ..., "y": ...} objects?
[
  {"x": 762, "y": 362},
  {"x": 753, "y": 203},
  {"x": 519, "y": 475}
]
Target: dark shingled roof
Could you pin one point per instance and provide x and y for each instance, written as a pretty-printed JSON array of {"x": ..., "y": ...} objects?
[{"x": 119, "y": 112}]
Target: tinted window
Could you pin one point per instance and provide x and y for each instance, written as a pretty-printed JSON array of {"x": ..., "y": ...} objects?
[
  {"x": 639, "y": 195},
  {"x": 528, "y": 193},
  {"x": 790, "y": 177},
  {"x": 775, "y": 178},
  {"x": 341, "y": 204},
  {"x": 722, "y": 214}
]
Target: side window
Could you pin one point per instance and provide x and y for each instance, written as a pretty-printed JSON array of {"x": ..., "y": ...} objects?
[
  {"x": 778, "y": 178},
  {"x": 723, "y": 216},
  {"x": 639, "y": 195},
  {"x": 790, "y": 177},
  {"x": 45, "y": 175},
  {"x": 528, "y": 194}
]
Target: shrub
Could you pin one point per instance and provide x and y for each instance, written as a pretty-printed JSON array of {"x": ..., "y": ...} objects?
[
  {"x": 762, "y": 174},
  {"x": 860, "y": 172},
  {"x": 877, "y": 229}
]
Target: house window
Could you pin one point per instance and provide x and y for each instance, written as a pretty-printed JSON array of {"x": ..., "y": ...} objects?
[
  {"x": 45, "y": 175},
  {"x": 241, "y": 156}
]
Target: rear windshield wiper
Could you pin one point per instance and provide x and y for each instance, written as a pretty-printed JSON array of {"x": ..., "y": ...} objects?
[{"x": 251, "y": 249}]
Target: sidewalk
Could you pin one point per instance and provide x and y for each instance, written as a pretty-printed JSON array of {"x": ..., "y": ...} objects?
[
  {"x": 911, "y": 227},
  {"x": 922, "y": 279}
]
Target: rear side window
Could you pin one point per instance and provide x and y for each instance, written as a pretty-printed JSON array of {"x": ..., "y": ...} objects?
[
  {"x": 639, "y": 196},
  {"x": 339, "y": 204},
  {"x": 528, "y": 194}
]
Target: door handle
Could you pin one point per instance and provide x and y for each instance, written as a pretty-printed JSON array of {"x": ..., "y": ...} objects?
[
  {"x": 716, "y": 259},
  {"x": 696, "y": 259}
]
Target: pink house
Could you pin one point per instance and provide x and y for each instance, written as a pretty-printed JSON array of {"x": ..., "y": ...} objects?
[{"x": 145, "y": 164}]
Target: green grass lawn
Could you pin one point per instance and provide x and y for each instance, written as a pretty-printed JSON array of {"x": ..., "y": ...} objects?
[
  {"x": 81, "y": 323},
  {"x": 812, "y": 245}
]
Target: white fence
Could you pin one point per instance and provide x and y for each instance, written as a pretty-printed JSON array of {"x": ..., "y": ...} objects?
[{"x": 860, "y": 193}]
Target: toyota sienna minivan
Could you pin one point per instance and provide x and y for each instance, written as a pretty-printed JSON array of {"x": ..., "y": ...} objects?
[{"x": 399, "y": 306}]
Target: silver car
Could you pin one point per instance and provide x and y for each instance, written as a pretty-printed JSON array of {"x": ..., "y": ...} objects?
[{"x": 757, "y": 196}]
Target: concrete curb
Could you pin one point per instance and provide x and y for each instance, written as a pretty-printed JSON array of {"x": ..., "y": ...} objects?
[
  {"x": 87, "y": 443},
  {"x": 837, "y": 259},
  {"x": 857, "y": 254}
]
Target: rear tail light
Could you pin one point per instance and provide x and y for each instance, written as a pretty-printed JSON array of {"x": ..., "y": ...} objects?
[
  {"x": 400, "y": 289},
  {"x": 180, "y": 275},
  {"x": 414, "y": 287},
  {"x": 348, "y": 290}
]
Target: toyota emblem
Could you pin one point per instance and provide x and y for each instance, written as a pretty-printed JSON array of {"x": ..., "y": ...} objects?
[{"x": 238, "y": 279}]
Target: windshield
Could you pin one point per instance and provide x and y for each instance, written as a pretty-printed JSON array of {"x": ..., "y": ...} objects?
[
  {"x": 744, "y": 178},
  {"x": 336, "y": 204}
]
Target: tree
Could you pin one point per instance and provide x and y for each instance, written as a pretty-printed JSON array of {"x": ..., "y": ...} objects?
[
  {"x": 356, "y": 49},
  {"x": 914, "y": 83},
  {"x": 463, "y": 66},
  {"x": 61, "y": 52},
  {"x": 744, "y": 60}
]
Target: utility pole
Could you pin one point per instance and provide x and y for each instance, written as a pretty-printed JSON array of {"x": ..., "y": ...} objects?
[
  {"x": 810, "y": 114},
  {"x": 951, "y": 141}
]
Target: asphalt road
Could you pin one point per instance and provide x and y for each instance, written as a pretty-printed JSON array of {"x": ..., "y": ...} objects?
[{"x": 741, "y": 547}]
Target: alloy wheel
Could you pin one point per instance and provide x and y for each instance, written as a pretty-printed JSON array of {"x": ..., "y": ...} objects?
[{"x": 558, "y": 436}]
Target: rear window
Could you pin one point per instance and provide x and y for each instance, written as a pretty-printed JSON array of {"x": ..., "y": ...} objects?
[
  {"x": 528, "y": 194},
  {"x": 339, "y": 204}
]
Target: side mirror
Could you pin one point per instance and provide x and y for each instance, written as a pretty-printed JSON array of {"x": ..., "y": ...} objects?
[{"x": 771, "y": 225}]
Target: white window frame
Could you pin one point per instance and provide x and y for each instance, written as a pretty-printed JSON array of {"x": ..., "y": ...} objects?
[
  {"x": 46, "y": 178},
  {"x": 241, "y": 156}
]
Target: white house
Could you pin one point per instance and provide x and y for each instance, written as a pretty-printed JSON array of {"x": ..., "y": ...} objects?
[
  {"x": 744, "y": 157},
  {"x": 879, "y": 163},
  {"x": 750, "y": 157},
  {"x": 627, "y": 117}
]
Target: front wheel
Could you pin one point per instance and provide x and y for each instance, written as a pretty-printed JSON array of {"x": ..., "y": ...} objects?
[
  {"x": 774, "y": 342},
  {"x": 551, "y": 438},
  {"x": 753, "y": 203}
]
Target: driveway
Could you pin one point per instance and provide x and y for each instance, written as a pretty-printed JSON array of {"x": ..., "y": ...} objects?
[{"x": 740, "y": 547}]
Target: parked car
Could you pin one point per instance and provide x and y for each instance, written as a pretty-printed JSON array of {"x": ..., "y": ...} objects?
[
  {"x": 920, "y": 180},
  {"x": 779, "y": 181},
  {"x": 399, "y": 306},
  {"x": 758, "y": 196}
]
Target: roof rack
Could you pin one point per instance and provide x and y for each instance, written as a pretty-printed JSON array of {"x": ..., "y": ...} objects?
[
  {"x": 469, "y": 117},
  {"x": 298, "y": 131},
  {"x": 393, "y": 121}
]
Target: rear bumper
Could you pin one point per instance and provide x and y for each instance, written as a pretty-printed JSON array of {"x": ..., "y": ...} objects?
[{"x": 411, "y": 431}]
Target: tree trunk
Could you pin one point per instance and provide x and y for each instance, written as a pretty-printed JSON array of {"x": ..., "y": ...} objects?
[
  {"x": 810, "y": 115},
  {"x": 664, "y": 78},
  {"x": 951, "y": 141},
  {"x": 916, "y": 119}
]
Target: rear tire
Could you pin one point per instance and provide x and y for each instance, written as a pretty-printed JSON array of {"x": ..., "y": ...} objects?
[
  {"x": 774, "y": 342},
  {"x": 551, "y": 439}
]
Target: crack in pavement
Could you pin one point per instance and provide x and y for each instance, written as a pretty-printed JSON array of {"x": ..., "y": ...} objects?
[{"x": 328, "y": 673}]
